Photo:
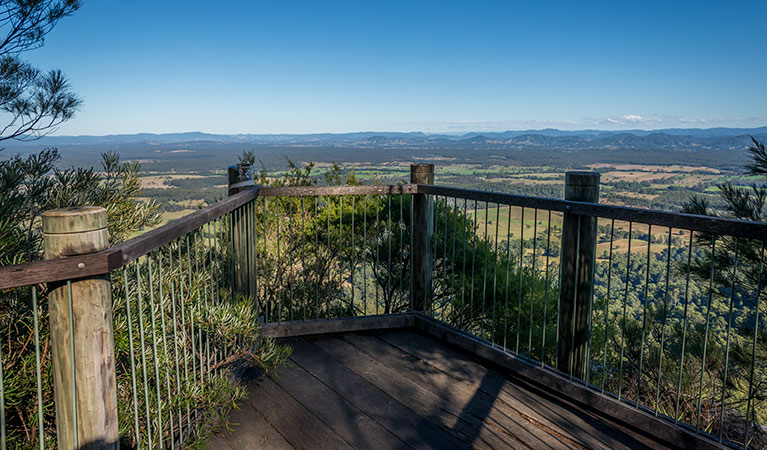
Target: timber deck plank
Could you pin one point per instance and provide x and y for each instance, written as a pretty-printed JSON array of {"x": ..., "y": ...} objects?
[
  {"x": 410, "y": 427},
  {"x": 538, "y": 407},
  {"x": 253, "y": 432},
  {"x": 399, "y": 388},
  {"x": 450, "y": 410}
]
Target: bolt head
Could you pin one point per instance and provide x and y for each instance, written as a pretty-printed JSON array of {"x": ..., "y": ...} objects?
[{"x": 81, "y": 265}]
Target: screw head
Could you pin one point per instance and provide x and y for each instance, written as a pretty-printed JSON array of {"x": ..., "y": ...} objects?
[{"x": 81, "y": 265}]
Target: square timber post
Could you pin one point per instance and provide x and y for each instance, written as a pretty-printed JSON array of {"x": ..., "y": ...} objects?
[
  {"x": 423, "y": 230},
  {"x": 576, "y": 286}
]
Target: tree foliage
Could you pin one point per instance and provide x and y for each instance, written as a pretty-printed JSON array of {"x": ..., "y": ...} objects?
[{"x": 34, "y": 102}]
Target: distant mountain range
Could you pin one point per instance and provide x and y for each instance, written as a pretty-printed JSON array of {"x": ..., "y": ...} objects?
[{"x": 666, "y": 139}]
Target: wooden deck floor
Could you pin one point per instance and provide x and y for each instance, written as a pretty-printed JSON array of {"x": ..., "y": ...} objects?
[{"x": 402, "y": 389}]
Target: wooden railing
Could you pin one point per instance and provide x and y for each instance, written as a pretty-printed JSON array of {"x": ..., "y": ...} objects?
[{"x": 319, "y": 252}]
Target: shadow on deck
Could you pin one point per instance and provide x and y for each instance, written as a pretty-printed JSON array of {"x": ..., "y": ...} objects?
[{"x": 403, "y": 388}]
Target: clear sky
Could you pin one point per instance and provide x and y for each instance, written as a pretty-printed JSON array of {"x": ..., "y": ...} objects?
[{"x": 323, "y": 66}]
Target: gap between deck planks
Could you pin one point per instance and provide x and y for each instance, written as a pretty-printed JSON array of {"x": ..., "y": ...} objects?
[{"x": 401, "y": 389}]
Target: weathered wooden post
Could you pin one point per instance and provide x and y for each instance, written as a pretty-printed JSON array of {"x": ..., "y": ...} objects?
[
  {"x": 240, "y": 178},
  {"x": 82, "y": 339},
  {"x": 423, "y": 229},
  {"x": 576, "y": 287}
]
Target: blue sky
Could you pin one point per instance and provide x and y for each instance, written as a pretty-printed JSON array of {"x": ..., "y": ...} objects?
[{"x": 298, "y": 67}]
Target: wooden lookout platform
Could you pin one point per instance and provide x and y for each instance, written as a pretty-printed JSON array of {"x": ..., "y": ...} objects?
[{"x": 404, "y": 387}]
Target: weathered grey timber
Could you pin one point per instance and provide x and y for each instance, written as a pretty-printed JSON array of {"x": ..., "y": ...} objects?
[
  {"x": 82, "y": 339},
  {"x": 576, "y": 290},
  {"x": 240, "y": 179},
  {"x": 423, "y": 229},
  {"x": 396, "y": 388}
]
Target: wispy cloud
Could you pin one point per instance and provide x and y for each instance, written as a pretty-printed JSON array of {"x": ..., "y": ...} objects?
[{"x": 624, "y": 121}]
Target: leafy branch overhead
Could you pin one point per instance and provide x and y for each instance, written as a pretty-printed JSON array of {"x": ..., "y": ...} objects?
[{"x": 33, "y": 102}]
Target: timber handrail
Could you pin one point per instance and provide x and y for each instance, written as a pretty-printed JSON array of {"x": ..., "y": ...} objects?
[
  {"x": 104, "y": 262},
  {"x": 108, "y": 260},
  {"x": 692, "y": 222}
]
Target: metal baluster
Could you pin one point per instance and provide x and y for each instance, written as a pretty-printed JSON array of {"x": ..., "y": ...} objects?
[
  {"x": 532, "y": 283},
  {"x": 132, "y": 363},
  {"x": 278, "y": 294},
  {"x": 217, "y": 229},
  {"x": 341, "y": 292},
  {"x": 39, "y": 384},
  {"x": 303, "y": 260},
  {"x": 575, "y": 296},
  {"x": 727, "y": 344},
  {"x": 753, "y": 345},
  {"x": 400, "y": 227},
  {"x": 377, "y": 241},
  {"x": 188, "y": 298},
  {"x": 143, "y": 352},
  {"x": 463, "y": 271},
  {"x": 412, "y": 257},
  {"x": 317, "y": 260},
  {"x": 433, "y": 243},
  {"x": 444, "y": 262},
  {"x": 327, "y": 295},
  {"x": 352, "y": 251},
  {"x": 663, "y": 325},
  {"x": 644, "y": 316},
  {"x": 185, "y": 335},
  {"x": 154, "y": 351},
  {"x": 546, "y": 289},
  {"x": 607, "y": 302},
  {"x": 625, "y": 302},
  {"x": 252, "y": 254},
  {"x": 684, "y": 328},
  {"x": 177, "y": 356},
  {"x": 288, "y": 255},
  {"x": 473, "y": 258},
  {"x": 483, "y": 318},
  {"x": 519, "y": 288},
  {"x": 452, "y": 266},
  {"x": 495, "y": 272},
  {"x": 389, "y": 297},
  {"x": 165, "y": 350},
  {"x": 364, "y": 255},
  {"x": 705, "y": 337},
  {"x": 267, "y": 296},
  {"x": 196, "y": 306},
  {"x": 209, "y": 233},
  {"x": 508, "y": 276},
  {"x": 257, "y": 292}
]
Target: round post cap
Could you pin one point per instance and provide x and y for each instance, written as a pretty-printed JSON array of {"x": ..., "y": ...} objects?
[
  {"x": 422, "y": 168},
  {"x": 582, "y": 178},
  {"x": 74, "y": 220}
]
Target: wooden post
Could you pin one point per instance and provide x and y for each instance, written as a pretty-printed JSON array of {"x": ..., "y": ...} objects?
[
  {"x": 240, "y": 178},
  {"x": 70, "y": 232},
  {"x": 423, "y": 230},
  {"x": 576, "y": 287}
]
